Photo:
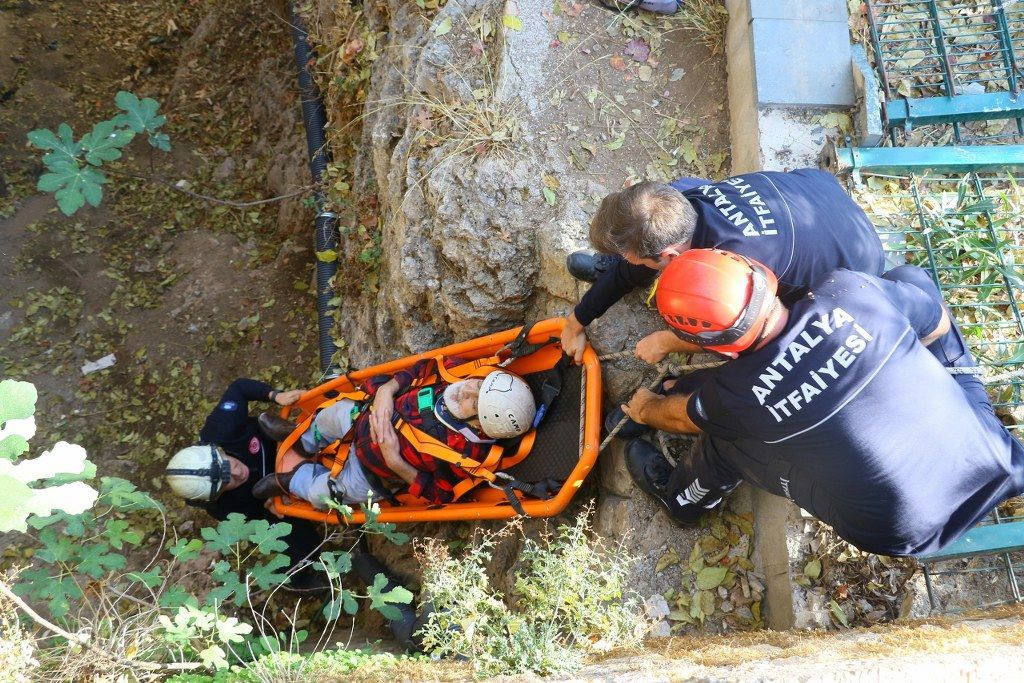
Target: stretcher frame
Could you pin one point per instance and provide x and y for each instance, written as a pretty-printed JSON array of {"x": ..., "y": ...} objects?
[{"x": 483, "y": 502}]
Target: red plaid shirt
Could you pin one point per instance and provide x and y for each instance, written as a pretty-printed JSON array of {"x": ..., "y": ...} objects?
[{"x": 436, "y": 479}]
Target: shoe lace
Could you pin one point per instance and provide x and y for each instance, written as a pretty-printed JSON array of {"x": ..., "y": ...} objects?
[{"x": 660, "y": 470}]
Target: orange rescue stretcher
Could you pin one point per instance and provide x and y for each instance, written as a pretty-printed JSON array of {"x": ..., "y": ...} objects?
[{"x": 563, "y": 447}]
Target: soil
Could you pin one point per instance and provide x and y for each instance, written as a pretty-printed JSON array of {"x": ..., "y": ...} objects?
[{"x": 187, "y": 294}]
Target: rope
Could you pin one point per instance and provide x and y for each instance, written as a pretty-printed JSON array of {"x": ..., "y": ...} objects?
[
  {"x": 966, "y": 371},
  {"x": 617, "y": 355},
  {"x": 1013, "y": 374},
  {"x": 611, "y": 435},
  {"x": 677, "y": 370}
]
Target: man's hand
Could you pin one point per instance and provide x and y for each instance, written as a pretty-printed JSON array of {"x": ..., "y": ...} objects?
[
  {"x": 639, "y": 404},
  {"x": 383, "y": 409},
  {"x": 652, "y": 349},
  {"x": 391, "y": 450},
  {"x": 286, "y": 398},
  {"x": 390, "y": 447},
  {"x": 574, "y": 338}
]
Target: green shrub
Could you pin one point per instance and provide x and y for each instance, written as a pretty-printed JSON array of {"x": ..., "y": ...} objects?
[{"x": 569, "y": 601}]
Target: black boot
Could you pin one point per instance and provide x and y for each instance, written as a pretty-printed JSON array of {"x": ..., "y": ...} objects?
[
  {"x": 650, "y": 472},
  {"x": 587, "y": 265},
  {"x": 309, "y": 579},
  {"x": 275, "y": 426},
  {"x": 367, "y": 567},
  {"x": 273, "y": 485},
  {"x": 629, "y": 430}
]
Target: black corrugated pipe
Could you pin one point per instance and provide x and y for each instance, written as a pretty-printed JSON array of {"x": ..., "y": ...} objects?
[{"x": 326, "y": 228}]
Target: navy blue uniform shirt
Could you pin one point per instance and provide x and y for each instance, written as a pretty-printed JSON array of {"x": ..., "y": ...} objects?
[
  {"x": 851, "y": 417},
  {"x": 801, "y": 224},
  {"x": 231, "y": 427}
]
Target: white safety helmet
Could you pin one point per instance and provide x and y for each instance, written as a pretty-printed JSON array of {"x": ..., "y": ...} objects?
[
  {"x": 505, "y": 406},
  {"x": 198, "y": 472}
]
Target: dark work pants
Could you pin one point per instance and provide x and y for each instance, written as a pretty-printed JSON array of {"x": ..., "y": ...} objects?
[
  {"x": 698, "y": 483},
  {"x": 950, "y": 349}
]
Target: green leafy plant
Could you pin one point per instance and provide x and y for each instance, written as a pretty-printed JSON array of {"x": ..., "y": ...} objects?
[
  {"x": 56, "y": 469},
  {"x": 73, "y": 172},
  {"x": 252, "y": 551},
  {"x": 569, "y": 601}
]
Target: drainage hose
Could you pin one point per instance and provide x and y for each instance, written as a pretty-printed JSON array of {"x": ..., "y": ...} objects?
[{"x": 326, "y": 228}]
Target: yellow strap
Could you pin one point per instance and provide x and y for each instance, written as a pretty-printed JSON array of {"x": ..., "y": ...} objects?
[
  {"x": 525, "y": 446},
  {"x": 478, "y": 368},
  {"x": 650, "y": 294},
  {"x": 425, "y": 443}
]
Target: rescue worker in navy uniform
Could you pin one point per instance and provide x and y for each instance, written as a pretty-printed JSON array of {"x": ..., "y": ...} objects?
[
  {"x": 235, "y": 451},
  {"x": 801, "y": 224},
  {"x": 841, "y": 402}
]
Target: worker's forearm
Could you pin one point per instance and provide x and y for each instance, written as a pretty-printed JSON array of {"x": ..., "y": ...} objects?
[
  {"x": 669, "y": 415},
  {"x": 670, "y": 343}
]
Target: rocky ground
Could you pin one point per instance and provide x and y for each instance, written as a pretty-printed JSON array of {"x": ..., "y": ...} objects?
[{"x": 472, "y": 143}]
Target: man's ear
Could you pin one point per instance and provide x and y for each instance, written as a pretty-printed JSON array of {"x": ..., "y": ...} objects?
[{"x": 670, "y": 253}]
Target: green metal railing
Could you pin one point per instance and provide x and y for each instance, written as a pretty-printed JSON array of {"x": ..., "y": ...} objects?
[
  {"x": 944, "y": 64},
  {"x": 951, "y": 74},
  {"x": 968, "y": 231}
]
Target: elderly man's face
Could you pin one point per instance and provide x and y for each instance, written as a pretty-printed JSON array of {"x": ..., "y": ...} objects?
[{"x": 461, "y": 400}]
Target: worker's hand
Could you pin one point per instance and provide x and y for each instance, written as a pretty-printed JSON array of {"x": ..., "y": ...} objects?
[
  {"x": 653, "y": 348},
  {"x": 380, "y": 416},
  {"x": 286, "y": 398},
  {"x": 639, "y": 403},
  {"x": 269, "y": 504},
  {"x": 574, "y": 338}
]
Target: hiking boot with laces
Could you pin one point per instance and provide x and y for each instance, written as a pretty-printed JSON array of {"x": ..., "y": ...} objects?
[
  {"x": 587, "y": 265},
  {"x": 650, "y": 472},
  {"x": 629, "y": 430}
]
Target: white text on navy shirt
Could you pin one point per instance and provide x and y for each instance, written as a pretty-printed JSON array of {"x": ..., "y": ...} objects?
[
  {"x": 735, "y": 215},
  {"x": 815, "y": 381}
]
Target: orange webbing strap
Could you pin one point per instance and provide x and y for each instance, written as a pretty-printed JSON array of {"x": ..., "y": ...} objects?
[
  {"x": 477, "y": 471},
  {"x": 339, "y": 452},
  {"x": 480, "y": 368},
  {"x": 525, "y": 446},
  {"x": 335, "y": 449}
]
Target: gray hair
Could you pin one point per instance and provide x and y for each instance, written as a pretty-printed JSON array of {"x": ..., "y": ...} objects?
[{"x": 643, "y": 220}]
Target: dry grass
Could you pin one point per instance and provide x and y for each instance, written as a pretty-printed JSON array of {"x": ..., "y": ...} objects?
[
  {"x": 709, "y": 18},
  {"x": 413, "y": 671},
  {"x": 944, "y": 635}
]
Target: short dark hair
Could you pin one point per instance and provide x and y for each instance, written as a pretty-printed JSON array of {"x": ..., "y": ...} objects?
[{"x": 643, "y": 220}]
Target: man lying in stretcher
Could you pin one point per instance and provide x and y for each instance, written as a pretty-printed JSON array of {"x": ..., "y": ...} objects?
[{"x": 468, "y": 416}]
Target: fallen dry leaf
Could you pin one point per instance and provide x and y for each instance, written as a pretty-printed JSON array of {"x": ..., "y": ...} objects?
[
  {"x": 353, "y": 48},
  {"x": 638, "y": 49},
  {"x": 572, "y": 9},
  {"x": 617, "y": 62}
]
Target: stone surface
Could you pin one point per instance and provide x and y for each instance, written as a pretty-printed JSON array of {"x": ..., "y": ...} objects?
[
  {"x": 614, "y": 476},
  {"x": 808, "y": 10},
  {"x": 802, "y": 63},
  {"x": 868, "y": 117}
]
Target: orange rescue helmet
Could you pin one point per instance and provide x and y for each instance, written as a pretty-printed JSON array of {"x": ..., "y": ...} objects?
[{"x": 715, "y": 299}]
